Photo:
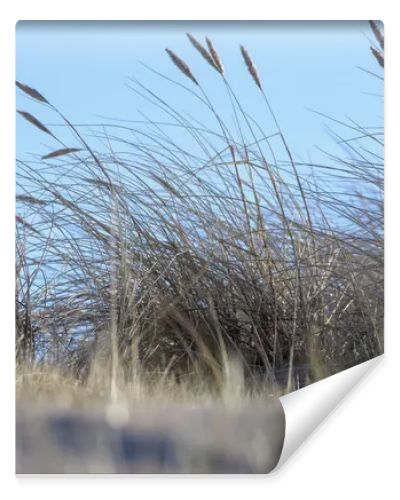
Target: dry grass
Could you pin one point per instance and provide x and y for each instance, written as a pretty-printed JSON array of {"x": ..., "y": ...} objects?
[
  {"x": 251, "y": 67},
  {"x": 168, "y": 258},
  {"x": 180, "y": 64},
  {"x": 46, "y": 385}
]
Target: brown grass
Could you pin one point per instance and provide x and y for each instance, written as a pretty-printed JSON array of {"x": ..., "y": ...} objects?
[
  {"x": 251, "y": 66},
  {"x": 168, "y": 257},
  {"x": 181, "y": 65}
]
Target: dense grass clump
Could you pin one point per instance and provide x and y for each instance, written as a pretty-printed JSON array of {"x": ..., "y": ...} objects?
[{"x": 162, "y": 255}]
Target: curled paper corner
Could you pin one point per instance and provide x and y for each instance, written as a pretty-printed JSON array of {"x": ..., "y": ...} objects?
[{"x": 307, "y": 408}]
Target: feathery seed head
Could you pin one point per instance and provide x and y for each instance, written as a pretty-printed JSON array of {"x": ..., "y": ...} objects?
[
  {"x": 180, "y": 64},
  {"x": 250, "y": 66},
  {"x": 378, "y": 56},
  {"x": 197, "y": 45},
  {"x": 214, "y": 54},
  {"x": 378, "y": 34}
]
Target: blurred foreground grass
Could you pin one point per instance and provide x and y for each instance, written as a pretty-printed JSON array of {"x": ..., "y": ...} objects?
[{"x": 64, "y": 426}]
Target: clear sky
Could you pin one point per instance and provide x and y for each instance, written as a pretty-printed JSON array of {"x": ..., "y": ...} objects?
[{"x": 83, "y": 69}]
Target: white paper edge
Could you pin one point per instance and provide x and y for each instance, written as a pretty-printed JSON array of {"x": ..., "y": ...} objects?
[{"x": 306, "y": 408}]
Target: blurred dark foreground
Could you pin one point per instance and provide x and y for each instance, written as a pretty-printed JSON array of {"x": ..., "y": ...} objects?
[{"x": 170, "y": 439}]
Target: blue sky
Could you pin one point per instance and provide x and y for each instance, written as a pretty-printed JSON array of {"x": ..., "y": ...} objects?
[{"x": 83, "y": 69}]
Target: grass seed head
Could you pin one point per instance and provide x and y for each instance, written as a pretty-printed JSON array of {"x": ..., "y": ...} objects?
[
  {"x": 250, "y": 66},
  {"x": 215, "y": 56},
  {"x": 203, "y": 51},
  {"x": 378, "y": 56},
  {"x": 31, "y": 92},
  {"x": 180, "y": 64},
  {"x": 378, "y": 34}
]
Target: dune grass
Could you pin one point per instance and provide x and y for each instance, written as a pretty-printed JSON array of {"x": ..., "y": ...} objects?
[{"x": 167, "y": 258}]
